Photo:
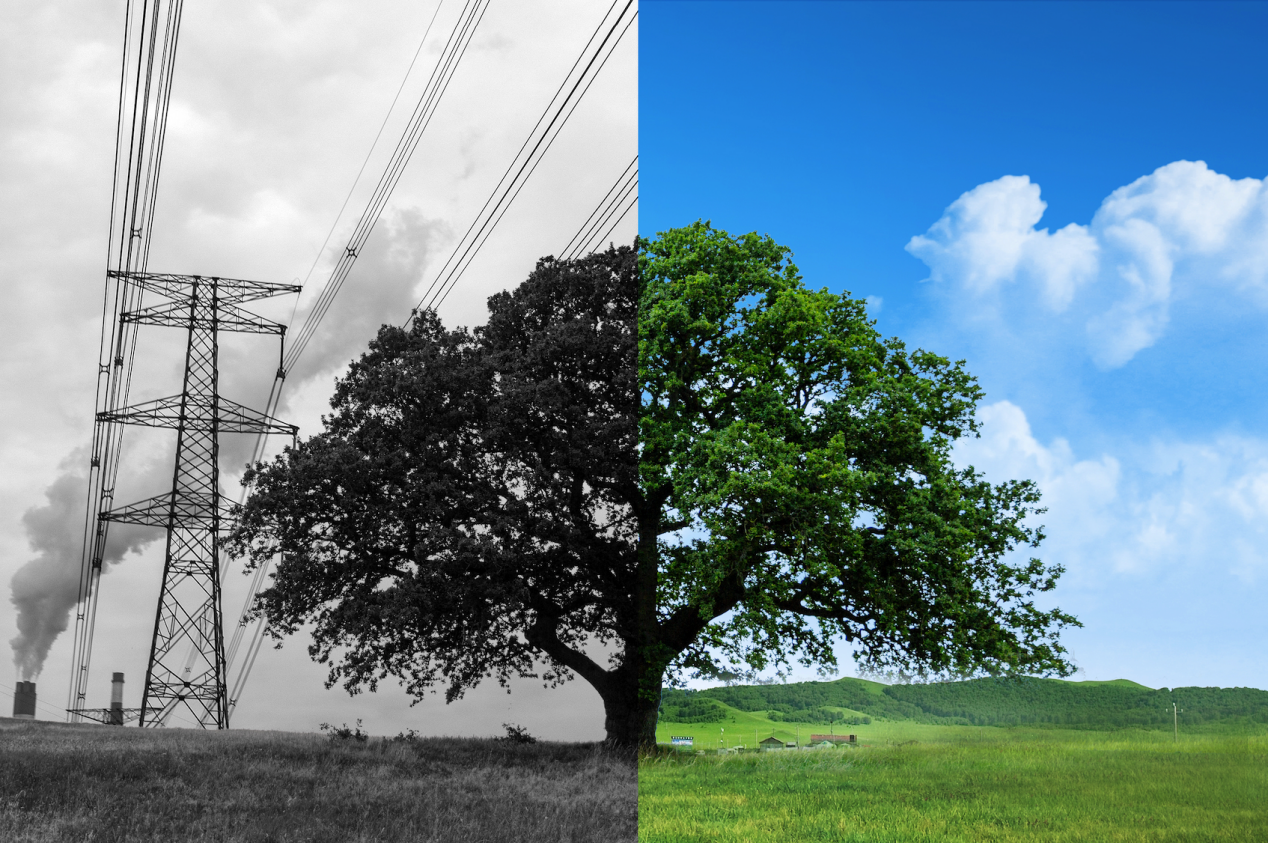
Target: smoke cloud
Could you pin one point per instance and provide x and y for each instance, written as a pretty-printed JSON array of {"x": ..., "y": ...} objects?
[
  {"x": 46, "y": 589},
  {"x": 380, "y": 290}
]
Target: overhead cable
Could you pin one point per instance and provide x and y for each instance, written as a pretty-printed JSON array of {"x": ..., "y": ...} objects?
[
  {"x": 620, "y": 196},
  {"x": 451, "y": 56},
  {"x": 373, "y": 145},
  {"x": 442, "y": 74},
  {"x": 539, "y": 141},
  {"x": 148, "y": 63}
]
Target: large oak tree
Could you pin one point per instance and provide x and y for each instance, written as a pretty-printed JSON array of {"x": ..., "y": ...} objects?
[
  {"x": 682, "y": 458},
  {"x": 466, "y": 513},
  {"x": 798, "y": 488}
]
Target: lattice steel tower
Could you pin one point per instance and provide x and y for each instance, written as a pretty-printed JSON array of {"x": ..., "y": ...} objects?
[{"x": 187, "y": 653}]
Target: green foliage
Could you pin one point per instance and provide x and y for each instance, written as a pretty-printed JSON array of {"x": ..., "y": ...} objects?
[
  {"x": 818, "y": 716},
  {"x": 1022, "y": 700},
  {"x": 798, "y": 484},
  {"x": 688, "y": 707},
  {"x": 1009, "y": 701},
  {"x": 855, "y": 694}
]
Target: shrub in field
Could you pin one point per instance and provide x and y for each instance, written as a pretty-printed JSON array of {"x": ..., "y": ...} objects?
[
  {"x": 343, "y": 733},
  {"x": 516, "y": 734},
  {"x": 409, "y": 737}
]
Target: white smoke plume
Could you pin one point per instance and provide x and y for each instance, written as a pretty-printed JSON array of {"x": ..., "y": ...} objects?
[
  {"x": 380, "y": 289},
  {"x": 46, "y": 589}
]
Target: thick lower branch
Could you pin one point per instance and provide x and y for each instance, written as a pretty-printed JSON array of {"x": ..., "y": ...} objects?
[
  {"x": 681, "y": 628},
  {"x": 544, "y": 636}
]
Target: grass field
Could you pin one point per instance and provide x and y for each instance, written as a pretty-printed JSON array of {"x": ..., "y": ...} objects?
[
  {"x": 97, "y": 783},
  {"x": 916, "y": 782}
]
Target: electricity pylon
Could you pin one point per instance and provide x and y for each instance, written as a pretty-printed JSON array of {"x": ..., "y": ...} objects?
[{"x": 187, "y": 652}]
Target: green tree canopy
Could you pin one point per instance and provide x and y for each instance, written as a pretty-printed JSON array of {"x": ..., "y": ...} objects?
[
  {"x": 798, "y": 487},
  {"x": 686, "y": 458}
]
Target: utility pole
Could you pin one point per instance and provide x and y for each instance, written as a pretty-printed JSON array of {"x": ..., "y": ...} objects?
[
  {"x": 187, "y": 652},
  {"x": 1175, "y": 722}
]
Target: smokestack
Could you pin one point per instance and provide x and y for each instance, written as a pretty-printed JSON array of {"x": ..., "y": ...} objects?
[
  {"x": 24, "y": 701},
  {"x": 116, "y": 700}
]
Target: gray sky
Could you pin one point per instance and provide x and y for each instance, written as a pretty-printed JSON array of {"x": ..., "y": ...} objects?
[{"x": 275, "y": 106}]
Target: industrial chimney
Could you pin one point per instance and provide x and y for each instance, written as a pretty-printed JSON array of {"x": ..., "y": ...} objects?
[
  {"x": 24, "y": 701},
  {"x": 116, "y": 700}
]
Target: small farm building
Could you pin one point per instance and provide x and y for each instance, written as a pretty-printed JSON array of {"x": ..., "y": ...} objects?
[{"x": 834, "y": 739}]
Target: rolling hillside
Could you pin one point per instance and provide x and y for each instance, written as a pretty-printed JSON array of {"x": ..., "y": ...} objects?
[{"x": 978, "y": 702}]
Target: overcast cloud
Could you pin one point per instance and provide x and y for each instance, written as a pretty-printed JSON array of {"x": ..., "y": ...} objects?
[{"x": 275, "y": 106}]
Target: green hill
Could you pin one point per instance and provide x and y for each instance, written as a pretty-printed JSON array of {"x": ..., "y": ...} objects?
[{"x": 1013, "y": 701}]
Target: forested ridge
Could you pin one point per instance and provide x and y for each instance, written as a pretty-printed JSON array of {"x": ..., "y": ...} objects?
[{"x": 1012, "y": 701}]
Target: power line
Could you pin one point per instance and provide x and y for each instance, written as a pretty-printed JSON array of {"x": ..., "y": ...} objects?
[
  {"x": 134, "y": 193},
  {"x": 438, "y": 82},
  {"x": 558, "y": 111},
  {"x": 624, "y": 188},
  {"x": 373, "y": 146},
  {"x": 599, "y": 241},
  {"x": 437, "y": 85},
  {"x": 442, "y": 74}
]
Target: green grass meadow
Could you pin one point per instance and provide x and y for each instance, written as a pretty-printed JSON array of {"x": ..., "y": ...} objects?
[{"x": 914, "y": 782}]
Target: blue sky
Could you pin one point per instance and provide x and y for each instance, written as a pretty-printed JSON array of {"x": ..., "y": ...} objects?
[{"x": 1018, "y": 185}]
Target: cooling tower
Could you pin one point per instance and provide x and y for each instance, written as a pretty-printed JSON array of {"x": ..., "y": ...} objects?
[{"x": 24, "y": 701}]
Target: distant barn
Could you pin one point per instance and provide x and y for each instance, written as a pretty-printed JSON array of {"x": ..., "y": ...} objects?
[
  {"x": 773, "y": 743},
  {"x": 834, "y": 740}
]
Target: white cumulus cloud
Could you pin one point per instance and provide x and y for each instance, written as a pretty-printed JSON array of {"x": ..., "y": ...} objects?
[
  {"x": 988, "y": 237},
  {"x": 1183, "y": 231},
  {"x": 1156, "y": 508}
]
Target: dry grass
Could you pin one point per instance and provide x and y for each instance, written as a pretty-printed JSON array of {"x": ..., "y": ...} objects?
[{"x": 97, "y": 783}]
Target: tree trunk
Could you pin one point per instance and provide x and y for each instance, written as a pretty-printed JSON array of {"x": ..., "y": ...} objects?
[{"x": 631, "y": 707}]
